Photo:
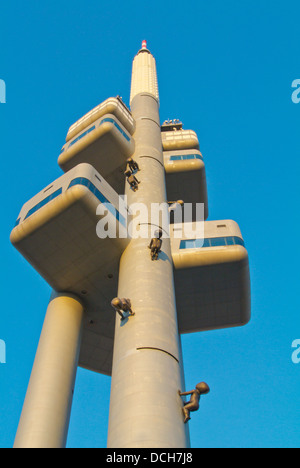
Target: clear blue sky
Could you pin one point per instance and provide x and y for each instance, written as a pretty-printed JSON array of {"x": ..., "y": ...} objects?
[{"x": 225, "y": 69}]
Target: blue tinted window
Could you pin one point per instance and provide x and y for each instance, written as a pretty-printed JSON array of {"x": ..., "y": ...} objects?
[
  {"x": 217, "y": 241},
  {"x": 185, "y": 157},
  {"x": 198, "y": 156},
  {"x": 230, "y": 240},
  {"x": 206, "y": 243},
  {"x": 81, "y": 136},
  {"x": 211, "y": 242},
  {"x": 187, "y": 244},
  {"x": 199, "y": 243},
  {"x": 108, "y": 119},
  {"x": 239, "y": 241},
  {"x": 87, "y": 183},
  {"x": 43, "y": 202}
]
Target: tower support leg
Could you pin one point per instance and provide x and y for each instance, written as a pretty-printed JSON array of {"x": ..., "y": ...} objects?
[{"x": 45, "y": 416}]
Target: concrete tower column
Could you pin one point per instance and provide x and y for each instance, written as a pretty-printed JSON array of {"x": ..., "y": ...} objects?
[
  {"x": 145, "y": 408},
  {"x": 46, "y": 412}
]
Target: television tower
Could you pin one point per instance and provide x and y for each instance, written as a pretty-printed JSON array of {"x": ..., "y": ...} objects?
[{"x": 173, "y": 278}]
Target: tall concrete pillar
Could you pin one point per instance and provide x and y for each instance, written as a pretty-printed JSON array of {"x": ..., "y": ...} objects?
[
  {"x": 46, "y": 412},
  {"x": 145, "y": 408}
]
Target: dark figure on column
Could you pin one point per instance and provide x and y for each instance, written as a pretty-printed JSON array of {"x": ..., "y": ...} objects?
[
  {"x": 132, "y": 166},
  {"x": 194, "y": 403},
  {"x": 122, "y": 307},
  {"x": 132, "y": 180},
  {"x": 155, "y": 245}
]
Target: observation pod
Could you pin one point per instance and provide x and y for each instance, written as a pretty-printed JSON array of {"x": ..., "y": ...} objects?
[
  {"x": 113, "y": 106},
  {"x": 179, "y": 139},
  {"x": 56, "y": 233},
  {"x": 186, "y": 178},
  {"x": 102, "y": 138},
  {"x": 212, "y": 280}
]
